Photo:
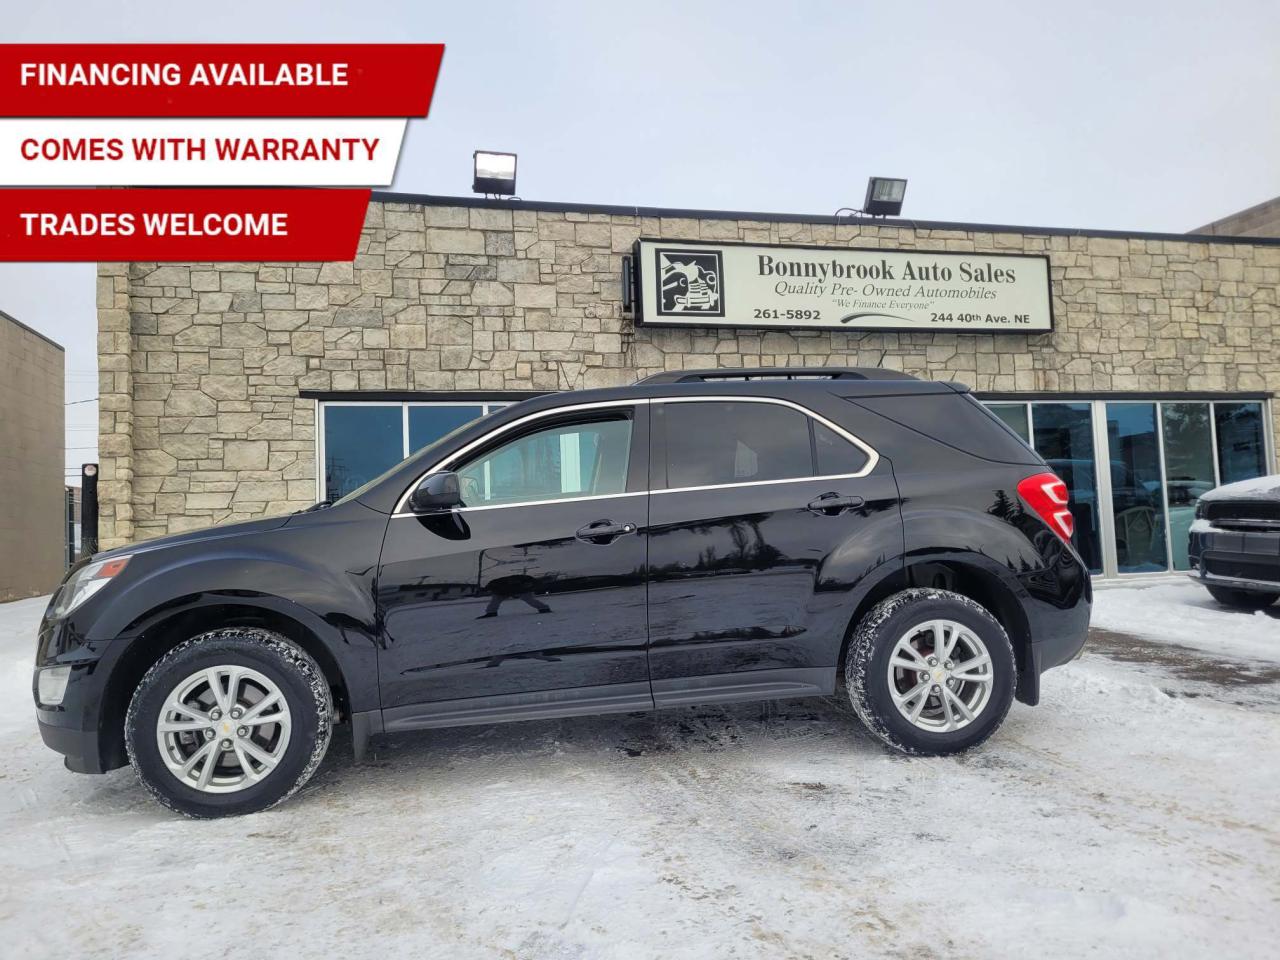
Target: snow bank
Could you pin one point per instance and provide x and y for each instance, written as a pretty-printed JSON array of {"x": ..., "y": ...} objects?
[{"x": 1184, "y": 613}]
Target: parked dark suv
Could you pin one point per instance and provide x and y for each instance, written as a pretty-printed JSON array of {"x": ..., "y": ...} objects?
[
  {"x": 696, "y": 538},
  {"x": 1234, "y": 545}
]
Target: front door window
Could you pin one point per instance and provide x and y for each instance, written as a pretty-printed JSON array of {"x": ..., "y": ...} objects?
[{"x": 568, "y": 460}]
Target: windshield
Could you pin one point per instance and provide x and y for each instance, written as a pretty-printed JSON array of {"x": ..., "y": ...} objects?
[{"x": 370, "y": 484}]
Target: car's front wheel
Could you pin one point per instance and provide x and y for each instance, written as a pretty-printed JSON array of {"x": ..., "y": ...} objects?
[
  {"x": 930, "y": 672},
  {"x": 1242, "y": 599},
  {"x": 232, "y": 721}
]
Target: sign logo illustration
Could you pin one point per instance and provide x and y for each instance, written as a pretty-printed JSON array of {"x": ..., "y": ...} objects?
[{"x": 690, "y": 283}]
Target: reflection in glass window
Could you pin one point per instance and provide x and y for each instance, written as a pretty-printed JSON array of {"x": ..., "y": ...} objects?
[
  {"x": 568, "y": 460},
  {"x": 1064, "y": 437},
  {"x": 835, "y": 456},
  {"x": 1137, "y": 501},
  {"x": 360, "y": 442},
  {"x": 1188, "y": 460},
  {"x": 714, "y": 443},
  {"x": 1242, "y": 452},
  {"x": 427, "y": 424},
  {"x": 1014, "y": 416}
]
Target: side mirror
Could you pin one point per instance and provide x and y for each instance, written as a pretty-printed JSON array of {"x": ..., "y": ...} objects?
[{"x": 436, "y": 493}]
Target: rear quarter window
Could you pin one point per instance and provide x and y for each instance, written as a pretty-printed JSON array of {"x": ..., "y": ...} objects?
[{"x": 957, "y": 420}]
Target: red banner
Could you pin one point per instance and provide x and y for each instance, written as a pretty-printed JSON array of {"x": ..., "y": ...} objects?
[
  {"x": 218, "y": 79},
  {"x": 181, "y": 224}
]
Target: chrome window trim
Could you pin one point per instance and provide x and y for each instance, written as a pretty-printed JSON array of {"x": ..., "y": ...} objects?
[{"x": 873, "y": 458}]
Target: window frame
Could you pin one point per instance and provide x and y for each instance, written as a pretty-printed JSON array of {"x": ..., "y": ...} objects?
[
  {"x": 401, "y": 508},
  {"x": 637, "y": 441},
  {"x": 659, "y": 483}
]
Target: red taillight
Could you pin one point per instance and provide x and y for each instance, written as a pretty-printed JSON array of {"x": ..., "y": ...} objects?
[{"x": 1047, "y": 496}]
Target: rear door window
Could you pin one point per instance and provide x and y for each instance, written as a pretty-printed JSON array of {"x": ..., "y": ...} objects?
[{"x": 716, "y": 443}]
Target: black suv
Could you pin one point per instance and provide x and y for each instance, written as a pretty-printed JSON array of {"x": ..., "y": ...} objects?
[{"x": 700, "y": 537}]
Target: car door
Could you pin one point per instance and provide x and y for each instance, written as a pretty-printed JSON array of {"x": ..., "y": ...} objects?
[
  {"x": 530, "y": 599},
  {"x": 758, "y": 516}
]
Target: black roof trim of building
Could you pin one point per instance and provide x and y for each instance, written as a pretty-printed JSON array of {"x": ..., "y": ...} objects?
[
  {"x": 429, "y": 200},
  {"x": 31, "y": 330},
  {"x": 479, "y": 396},
  {"x": 410, "y": 396}
]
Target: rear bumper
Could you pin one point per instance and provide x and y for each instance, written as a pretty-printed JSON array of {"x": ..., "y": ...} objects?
[{"x": 1058, "y": 623}]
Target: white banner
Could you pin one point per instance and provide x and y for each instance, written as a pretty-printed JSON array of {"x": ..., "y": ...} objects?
[
  {"x": 260, "y": 152},
  {"x": 689, "y": 283}
]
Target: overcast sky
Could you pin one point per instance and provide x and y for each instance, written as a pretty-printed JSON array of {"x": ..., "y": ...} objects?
[{"x": 1145, "y": 116}]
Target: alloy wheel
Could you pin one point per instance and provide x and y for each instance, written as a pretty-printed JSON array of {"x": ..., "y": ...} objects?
[
  {"x": 223, "y": 729},
  {"x": 940, "y": 676}
]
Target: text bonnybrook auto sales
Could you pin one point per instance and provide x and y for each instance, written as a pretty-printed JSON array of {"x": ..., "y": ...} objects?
[{"x": 823, "y": 270}]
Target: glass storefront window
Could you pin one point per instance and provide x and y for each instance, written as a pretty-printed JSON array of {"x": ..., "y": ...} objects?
[
  {"x": 1064, "y": 437},
  {"x": 1014, "y": 416},
  {"x": 429, "y": 422},
  {"x": 363, "y": 440},
  {"x": 1161, "y": 458},
  {"x": 360, "y": 442},
  {"x": 1241, "y": 448},
  {"x": 1188, "y": 469},
  {"x": 1137, "y": 499}
]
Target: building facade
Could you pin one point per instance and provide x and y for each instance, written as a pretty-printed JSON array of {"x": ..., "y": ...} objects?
[
  {"x": 1260, "y": 220},
  {"x": 32, "y": 416},
  {"x": 237, "y": 390}
]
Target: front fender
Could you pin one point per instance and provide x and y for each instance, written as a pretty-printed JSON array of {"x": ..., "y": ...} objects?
[{"x": 293, "y": 572}]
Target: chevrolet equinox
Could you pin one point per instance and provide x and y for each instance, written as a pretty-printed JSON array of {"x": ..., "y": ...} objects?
[{"x": 699, "y": 537}]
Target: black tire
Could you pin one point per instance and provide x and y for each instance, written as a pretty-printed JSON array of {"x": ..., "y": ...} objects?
[
  {"x": 867, "y": 666},
  {"x": 284, "y": 663},
  {"x": 1242, "y": 599}
]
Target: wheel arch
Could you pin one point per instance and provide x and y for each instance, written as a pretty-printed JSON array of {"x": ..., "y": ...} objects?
[
  {"x": 165, "y": 629},
  {"x": 980, "y": 584}
]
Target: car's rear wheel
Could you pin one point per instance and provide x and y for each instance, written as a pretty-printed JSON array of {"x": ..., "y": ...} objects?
[
  {"x": 930, "y": 672},
  {"x": 1242, "y": 599},
  {"x": 232, "y": 721}
]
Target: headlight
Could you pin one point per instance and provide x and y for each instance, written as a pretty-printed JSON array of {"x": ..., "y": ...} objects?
[
  {"x": 84, "y": 583},
  {"x": 1202, "y": 510}
]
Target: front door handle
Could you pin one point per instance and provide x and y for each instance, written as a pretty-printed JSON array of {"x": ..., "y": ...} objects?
[
  {"x": 604, "y": 531},
  {"x": 832, "y": 504}
]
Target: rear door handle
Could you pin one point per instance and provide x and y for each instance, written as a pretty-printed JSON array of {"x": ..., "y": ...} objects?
[
  {"x": 832, "y": 504},
  {"x": 604, "y": 531}
]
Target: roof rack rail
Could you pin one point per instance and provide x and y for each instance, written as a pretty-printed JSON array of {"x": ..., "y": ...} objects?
[{"x": 776, "y": 373}]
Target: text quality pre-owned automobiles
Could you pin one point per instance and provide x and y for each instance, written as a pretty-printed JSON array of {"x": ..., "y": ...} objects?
[{"x": 695, "y": 538}]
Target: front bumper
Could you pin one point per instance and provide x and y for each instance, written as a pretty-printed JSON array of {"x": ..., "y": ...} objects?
[
  {"x": 1237, "y": 559},
  {"x": 73, "y": 728},
  {"x": 79, "y": 748}
]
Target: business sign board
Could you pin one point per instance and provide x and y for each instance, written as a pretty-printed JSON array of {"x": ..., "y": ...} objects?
[{"x": 698, "y": 284}]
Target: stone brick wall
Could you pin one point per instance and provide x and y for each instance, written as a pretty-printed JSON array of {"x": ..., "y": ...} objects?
[{"x": 201, "y": 364}]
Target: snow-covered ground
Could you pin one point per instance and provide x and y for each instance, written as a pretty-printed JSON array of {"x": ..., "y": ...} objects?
[
  {"x": 1181, "y": 611},
  {"x": 1132, "y": 814}
]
